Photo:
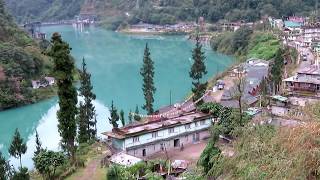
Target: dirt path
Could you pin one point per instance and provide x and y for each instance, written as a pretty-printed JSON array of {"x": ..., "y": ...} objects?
[{"x": 90, "y": 170}]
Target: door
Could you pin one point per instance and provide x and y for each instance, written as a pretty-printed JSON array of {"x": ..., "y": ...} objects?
[
  {"x": 196, "y": 137},
  {"x": 176, "y": 143},
  {"x": 144, "y": 153}
]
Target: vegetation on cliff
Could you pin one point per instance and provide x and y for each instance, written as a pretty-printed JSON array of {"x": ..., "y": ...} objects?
[
  {"x": 113, "y": 13},
  {"x": 21, "y": 60}
]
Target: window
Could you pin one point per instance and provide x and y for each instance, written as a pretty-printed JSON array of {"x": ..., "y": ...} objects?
[
  {"x": 187, "y": 126},
  {"x": 171, "y": 130},
  {"x": 154, "y": 134},
  {"x": 196, "y": 124},
  {"x": 202, "y": 122},
  {"x": 135, "y": 139}
]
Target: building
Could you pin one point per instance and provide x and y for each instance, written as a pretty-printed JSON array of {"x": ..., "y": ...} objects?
[
  {"x": 310, "y": 33},
  {"x": 43, "y": 83},
  {"x": 276, "y": 23},
  {"x": 253, "y": 71},
  {"x": 307, "y": 80},
  {"x": 144, "y": 139}
]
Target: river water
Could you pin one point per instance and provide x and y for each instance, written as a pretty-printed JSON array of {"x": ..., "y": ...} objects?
[{"x": 114, "y": 61}]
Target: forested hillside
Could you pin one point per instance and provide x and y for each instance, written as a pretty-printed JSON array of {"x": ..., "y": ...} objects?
[
  {"x": 43, "y": 10},
  {"x": 20, "y": 61},
  {"x": 160, "y": 11}
]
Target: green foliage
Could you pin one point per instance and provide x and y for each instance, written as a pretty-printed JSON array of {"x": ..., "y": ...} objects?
[
  {"x": 209, "y": 157},
  {"x": 43, "y": 10},
  {"x": 114, "y": 116},
  {"x": 263, "y": 46},
  {"x": 147, "y": 73},
  {"x": 123, "y": 121},
  {"x": 246, "y": 44},
  {"x": 17, "y": 147},
  {"x": 47, "y": 162},
  {"x": 22, "y": 174},
  {"x": 212, "y": 108},
  {"x": 136, "y": 117},
  {"x": 277, "y": 69},
  {"x": 5, "y": 170},
  {"x": 38, "y": 145},
  {"x": 86, "y": 118},
  {"x": 20, "y": 61},
  {"x": 198, "y": 70},
  {"x": 63, "y": 68},
  {"x": 130, "y": 117}
]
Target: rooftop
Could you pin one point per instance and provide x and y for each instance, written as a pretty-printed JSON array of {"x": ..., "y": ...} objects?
[
  {"x": 312, "y": 70},
  {"x": 152, "y": 125}
]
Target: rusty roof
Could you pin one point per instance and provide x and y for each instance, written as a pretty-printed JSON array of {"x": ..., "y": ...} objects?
[{"x": 150, "y": 126}]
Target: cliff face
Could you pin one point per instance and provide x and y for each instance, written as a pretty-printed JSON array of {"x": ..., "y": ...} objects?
[{"x": 21, "y": 60}]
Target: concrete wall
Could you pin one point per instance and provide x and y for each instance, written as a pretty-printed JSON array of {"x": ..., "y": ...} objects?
[{"x": 168, "y": 144}]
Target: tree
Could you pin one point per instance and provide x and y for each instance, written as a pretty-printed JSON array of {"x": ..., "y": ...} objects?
[
  {"x": 17, "y": 147},
  {"x": 22, "y": 174},
  {"x": 240, "y": 39},
  {"x": 4, "y": 168},
  {"x": 136, "y": 116},
  {"x": 277, "y": 70},
  {"x": 114, "y": 117},
  {"x": 198, "y": 70},
  {"x": 86, "y": 118},
  {"x": 209, "y": 157},
  {"x": 238, "y": 91},
  {"x": 122, "y": 118},
  {"x": 130, "y": 117},
  {"x": 46, "y": 162},
  {"x": 38, "y": 144},
  {"x": 63, "y": 68},
  {"x": 147, "y": 73}
]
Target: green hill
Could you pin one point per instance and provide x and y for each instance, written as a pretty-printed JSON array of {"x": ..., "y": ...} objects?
[
  {"x": 160, "y": 11},
  {"x": 21, "y": 61}
]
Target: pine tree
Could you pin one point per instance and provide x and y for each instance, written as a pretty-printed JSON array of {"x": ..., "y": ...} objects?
[
  {"x": 63, "y": 68},
  {"x": 17, "y": 147},
  {"x": 38, "y": 145},
  {"x": 122, "y": 118},
  {"x": 198, "y": 70},
  {"x": 114, "y": 117},
  {"x": 130, "y": 117},
  {"x": 4, "y": 167},
  {"x": 136, "y": 116},
  {"x": 277, "y": 70},
  {"x": 147, "y": 73},
  {"x": 86, "y": 118}
]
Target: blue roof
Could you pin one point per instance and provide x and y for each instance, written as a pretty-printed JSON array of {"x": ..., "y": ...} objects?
[{"x": 292, "y": 24}]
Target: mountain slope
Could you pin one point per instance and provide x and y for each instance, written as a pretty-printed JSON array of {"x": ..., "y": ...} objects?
[
  {"x": 43, "y": 10},
  {"x": 159, "y": 11},
  {"x": 21, "y": 61}
]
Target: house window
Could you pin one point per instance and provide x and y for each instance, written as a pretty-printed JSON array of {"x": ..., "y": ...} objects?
[
  {"x": 196, "y": 124},
  {"x": 154, "y": 134},
  {"x": 171, "y": 130},
  {"x": 187, "y": 126},
  {"x": 135, "y": 139},
  {"x": 202, "y": 122}
]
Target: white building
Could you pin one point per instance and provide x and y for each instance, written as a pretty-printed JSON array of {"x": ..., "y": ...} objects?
[
  {"x": 147, "y": 138},
  {"x": 45, "y": 82}
]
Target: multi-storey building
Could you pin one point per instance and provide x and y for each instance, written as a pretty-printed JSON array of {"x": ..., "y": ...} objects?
[{"x": 144, "y": 139}]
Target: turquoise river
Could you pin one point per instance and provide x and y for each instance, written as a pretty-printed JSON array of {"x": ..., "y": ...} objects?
[{"x": 114, "y": 60}]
